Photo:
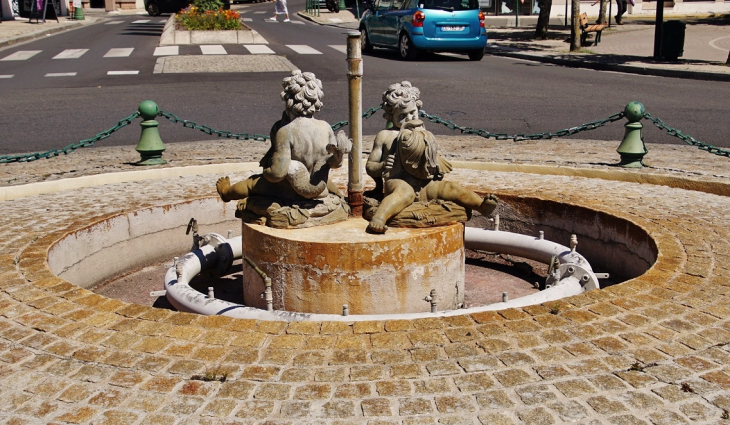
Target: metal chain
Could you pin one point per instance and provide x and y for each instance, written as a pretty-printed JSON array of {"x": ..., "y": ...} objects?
[
  {"x": 5, "y": 159},
  {"x": 369, "y": 113},
  {"x": 519, "y": 137},
  {"x": 686, "y": 138},
  {"x": 208, "y": 130}
]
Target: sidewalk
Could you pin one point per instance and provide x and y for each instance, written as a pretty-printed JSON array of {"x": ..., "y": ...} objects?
[{"x": 22, "y": 29}]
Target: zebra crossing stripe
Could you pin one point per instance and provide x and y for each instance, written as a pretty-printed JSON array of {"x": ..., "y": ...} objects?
[
  {"x": 113, "y": 22},
  {"x": 122, "y": 73},
  {"x": 247, "y": 20},
  {"x": 6, "y": 76},
  {"x": 71, "y": 54},
  {"x": 258, "y": 49},
  {"x": 141, "y": 21},
  {"x": 215, "y": 49},
  {"x": 60, "y": 74},
  {"x": 303, "y": 49},
  {"x": 339, "y": 47},
  {"x": 21, "y": 55},
  {"x": 119, "y": 52},
  {"x": 167, "y": 51}
]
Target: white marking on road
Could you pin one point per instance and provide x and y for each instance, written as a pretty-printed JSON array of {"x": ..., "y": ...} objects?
[
  {"x": 141, "y": 21},
  {"x": 6, "y": 76},
  {"x": 214, "y": 49},
  {"x": 712, "y": 43},
  {"x": 259, "y": 12},
  {"x": 113, "y": 22},
  {"x": 119, "y": 52},
  {"x": 167, "y": 51},
  {"x": 339, "y": 47},
  {"x": 258, "y": 49},
  {"x": 303, "y": 49},
  {"x": 21, "y": 55},
  {"x": 71, "y": 54},
  {"x": 122, "y": 73},
  {"x": 60, "y": 74},
  {"x": 297, "y": 22},
  {"x": 162, "y": 21},
  {"x": 247, "y": 20}
]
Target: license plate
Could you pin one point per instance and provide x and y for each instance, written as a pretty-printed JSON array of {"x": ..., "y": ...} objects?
[{"x": 452, "y": 28}]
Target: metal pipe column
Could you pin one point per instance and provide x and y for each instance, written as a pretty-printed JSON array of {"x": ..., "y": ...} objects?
[{"x": 354, "y": 76}]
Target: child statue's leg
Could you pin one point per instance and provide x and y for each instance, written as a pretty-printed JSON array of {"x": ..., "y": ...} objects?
[
  {"x": 401, "y": 196},
  {"x": 450, "y": 191},
  {"x": 240, "y": 190}
]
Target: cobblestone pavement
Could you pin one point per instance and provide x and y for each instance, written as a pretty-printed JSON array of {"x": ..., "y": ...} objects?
[{"x": 655, "y": 349}]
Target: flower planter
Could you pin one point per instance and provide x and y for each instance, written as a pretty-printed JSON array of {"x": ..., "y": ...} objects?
[{"x": 171, "y": 36}]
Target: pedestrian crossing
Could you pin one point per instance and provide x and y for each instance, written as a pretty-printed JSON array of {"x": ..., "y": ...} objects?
[{"x": 163, "y": 51}]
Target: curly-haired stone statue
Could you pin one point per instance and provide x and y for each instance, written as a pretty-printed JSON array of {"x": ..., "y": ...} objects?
[
  {"x": 408, "y": 161},
  {"x": 296, "y": 167}
]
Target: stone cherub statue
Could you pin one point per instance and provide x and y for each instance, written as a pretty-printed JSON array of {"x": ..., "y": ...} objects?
[
  {"x": 407, "y": 161},
  {"x": 295, "y": 186}
]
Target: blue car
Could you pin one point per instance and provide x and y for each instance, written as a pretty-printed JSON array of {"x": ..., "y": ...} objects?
[{"x": 425, "y": 25}]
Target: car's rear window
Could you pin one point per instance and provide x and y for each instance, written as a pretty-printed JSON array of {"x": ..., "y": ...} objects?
[{"x": 449, "y": 4}]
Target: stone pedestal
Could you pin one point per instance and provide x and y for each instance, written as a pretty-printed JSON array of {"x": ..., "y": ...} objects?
[{"x": 318, "y": 269}]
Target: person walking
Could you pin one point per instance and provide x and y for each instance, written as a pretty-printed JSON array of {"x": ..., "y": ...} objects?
[
  {"x": 280, "y": 9},
  {"x": 622, "y": 6}
]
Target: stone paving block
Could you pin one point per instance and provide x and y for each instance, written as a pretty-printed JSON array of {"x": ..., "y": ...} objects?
[
  {"x": 513, "y": 377},
  {"x": 440, "y": 368},
  {"x": 455, "y": 404},
  {"x": 536, "y": 394},
  {"x": 415, "y": 406},
  {"x": 536, "y": 416},
  {"x": 570, "y": 411},
  {"x": 697, "y": 411},
  {"x": 366, "y": 373},
  {"x": 309, "y": 358},
  {"x": 295, "y": 409},
  {"x": 393, "y": 388},
  {"x": 255, "y": 409},
  {"x": 495, "y": 419},
  {"x": 480, "y": 364},
  {"x": 390, "y": 340},
  {"x": 627, "y": 420},
  {"x": 575, "y": 387},
  {"x": 459, "y": 350},
  {"x": 278, "y": 391},
  {"x": 431, "y": 386},
  {"x": 719, "y": 378},
  {"x": 330, "y": 375}
]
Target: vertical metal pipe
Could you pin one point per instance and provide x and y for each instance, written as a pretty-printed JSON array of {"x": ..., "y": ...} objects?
[
  {"x": 354, "y": 76},
  {"x": 268, "y": 294}
]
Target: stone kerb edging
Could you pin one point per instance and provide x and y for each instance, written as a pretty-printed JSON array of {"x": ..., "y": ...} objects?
[
  {"x": 653, "y": 349},
  {"x": 171, "y": 36}
]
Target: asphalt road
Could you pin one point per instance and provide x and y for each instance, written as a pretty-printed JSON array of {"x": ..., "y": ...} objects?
[{"x": 496, "y": 94}]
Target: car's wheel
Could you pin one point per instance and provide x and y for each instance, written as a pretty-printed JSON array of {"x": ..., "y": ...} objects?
[
  {"x": 406, "y": 48},
  {"x": 365, "y": 41},
  {"x": 476, "y": 55},
  {"x": 153, "y": 9}
]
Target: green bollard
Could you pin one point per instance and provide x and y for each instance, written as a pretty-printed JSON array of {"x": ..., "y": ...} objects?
[
  {"x": 632, "y": 148},
  {"x": 342, "y": 5},
  {"x": 150, "y": 146},
  {"x": 79, "y": 13}
]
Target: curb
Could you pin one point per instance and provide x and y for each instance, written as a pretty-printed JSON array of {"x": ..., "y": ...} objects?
[{"x": 658, "y": 72}]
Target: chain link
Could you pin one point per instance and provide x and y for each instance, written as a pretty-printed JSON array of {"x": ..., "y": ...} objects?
[
  {"x": 5, "y": 159},
  {"x": 686, "y": 138},
  {"x": 520, "y": 137}
]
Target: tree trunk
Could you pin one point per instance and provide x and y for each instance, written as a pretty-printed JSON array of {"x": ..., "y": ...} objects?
[
  {"x": 602, "y": 12},
  {"x": 575, "y": 26},
  {"x": 543, "y": 21}
]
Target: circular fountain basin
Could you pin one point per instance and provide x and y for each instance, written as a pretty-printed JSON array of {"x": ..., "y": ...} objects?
[{"x": 320, "y": 269}]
